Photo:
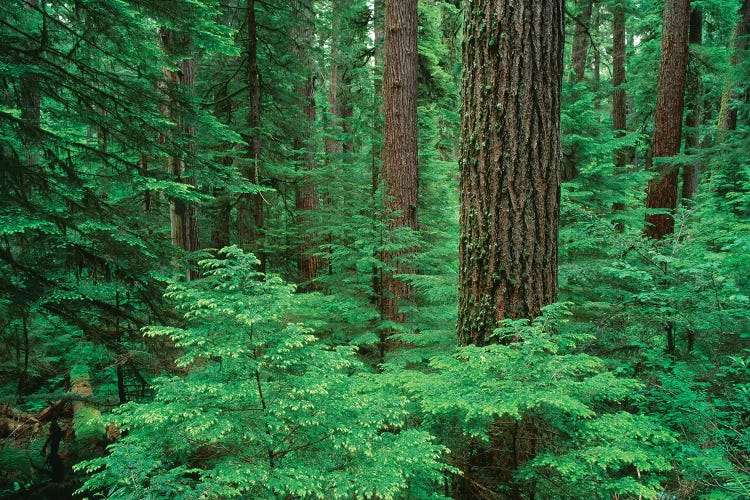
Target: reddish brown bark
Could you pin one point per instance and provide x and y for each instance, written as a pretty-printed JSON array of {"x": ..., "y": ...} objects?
[
  {"x": 306, "y": 195},
  {"x": 619, "y": 97},
  {"x": 693, "y": 105},
  {"x": 510, "y": 163},
  {"x": 728, "y": 112},
  {"x": 670, "y": 101},
  {"x": 400, "y": 167},
  {"x": 619, "y": 112}
]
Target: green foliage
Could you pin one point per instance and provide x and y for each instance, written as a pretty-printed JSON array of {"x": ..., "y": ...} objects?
[
  {"x": 538, "y": 372},
  {"x": 264, "y": 409}
]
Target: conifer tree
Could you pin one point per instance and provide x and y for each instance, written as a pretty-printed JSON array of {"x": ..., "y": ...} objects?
[
  {"x": 510, "y": 161},
  {"x": 400, "y": 162},
  {"x": 250, "y": 206},
  {"x": 670, "y": 102}
]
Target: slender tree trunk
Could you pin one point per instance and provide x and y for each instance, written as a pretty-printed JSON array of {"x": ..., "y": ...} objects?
[
  {"x": 400, "y": 164},
  {"x": 581, "y": 35},
  {"x": 250, "y": 206},
  {"x": 30, "y": 98},
  {"x": 510, "y": 161},
  {"x": 182, "y": 214},
  {"x": 334, "y": 146},
  {"x": 222, "y": 208},
  {"x": 619, "y": 97},
  {"x": 670, "y": 100},
  {"x": 378, "y": 14},
  {"x": 728, "y": 112},
  {"x": 597, "y": 77},
  {"x": 306, "y": 195},
  {"x": 693, "y": 104}
]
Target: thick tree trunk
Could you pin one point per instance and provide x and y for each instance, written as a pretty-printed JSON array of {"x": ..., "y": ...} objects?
[
  {"x": 250, "y": 206},
  {"x": 670, "y": 100},
  {"x": 693, "y": 104},
  {"x": 510, "y": 163},
  {"x": 400, "y": 164},
  {"x": 306, "y": 195},
  {"x": 182, "y": 214}
]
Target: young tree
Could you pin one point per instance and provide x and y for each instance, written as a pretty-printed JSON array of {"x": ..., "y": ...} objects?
[
  {"x": 400, "y": 167},
  {"x": 670, "y": 101},
  {"x": 510, "y": 163}
]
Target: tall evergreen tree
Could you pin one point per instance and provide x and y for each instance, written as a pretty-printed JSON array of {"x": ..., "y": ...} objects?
[
  {"x": 400, "y": 163},
  {"x": 179, "y": 83},
  {"x": 670, "y": 102},
  {"x": 250, "y": 206},
  {"x": 510, "y": 161}
]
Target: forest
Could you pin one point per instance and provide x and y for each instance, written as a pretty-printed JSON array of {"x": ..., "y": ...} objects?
[{"x": 375, "y": 249}]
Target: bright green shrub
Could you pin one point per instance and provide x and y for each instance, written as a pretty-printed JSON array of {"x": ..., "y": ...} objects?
[{"x": 264, "y": 410}]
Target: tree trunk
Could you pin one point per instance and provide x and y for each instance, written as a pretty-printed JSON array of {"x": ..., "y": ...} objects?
[
  {"x": 510, "y": 163},
  {"x": 378, "y": 14},
  {"x": 182, "y": 214},
  {"x": 581, "y": 37},
  {"x": 693, "y": 104},
  {"x": 250, "y": 206},
  {"x": 579, "y": 52},
  {"x": 619, "y": 97},
  {"x": 222, "y": 208},
  {"x": 400, "y": 164},
  {"x": 29, "y": 93},
  {"x": 334, "y": 146},
  {"x": 306, "y": 195},
  {"x": 670, "y": 100},
  {"x": 728, "y": 112}
]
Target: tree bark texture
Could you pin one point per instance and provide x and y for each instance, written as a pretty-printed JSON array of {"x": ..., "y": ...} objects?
[
  {"x": 306, "y": 195},
  {"x": 728, "y": 112},
  {"x": 619, "y": 96},
  {"x": 581, "y": 37},
  {"x": 334, "y": 146},
  {"x": 182, "y": 214},
  {"x": 400, "y": 166},
  {"x": 250, "y": 206},
  {"x": 693, "y": 104},
  {"x": 510, "y": 163},
  {"x": 670, "y": 101}
]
